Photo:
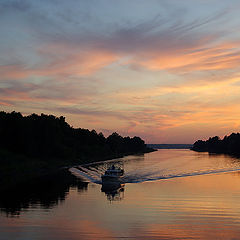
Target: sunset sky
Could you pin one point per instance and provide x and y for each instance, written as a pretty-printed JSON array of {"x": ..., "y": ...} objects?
[{"x": 165, "y": 70}]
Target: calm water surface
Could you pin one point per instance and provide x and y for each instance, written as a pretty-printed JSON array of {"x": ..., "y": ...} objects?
[{"x": 169, "y": 194}]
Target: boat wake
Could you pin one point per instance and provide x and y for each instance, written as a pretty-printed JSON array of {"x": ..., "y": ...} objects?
[
  {"x": 86, "y": 174},
  {"x": 152, "y": 177},
  {"x": 94, "y": 173}
]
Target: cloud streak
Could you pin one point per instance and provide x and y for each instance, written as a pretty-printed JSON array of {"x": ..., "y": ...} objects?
[{"x": 164, "y": 66}]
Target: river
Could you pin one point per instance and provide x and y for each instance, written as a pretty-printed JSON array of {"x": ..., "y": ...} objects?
[{"x": 168, "y": 194}]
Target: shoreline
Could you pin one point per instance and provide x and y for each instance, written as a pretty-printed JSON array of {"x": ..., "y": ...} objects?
[
  {"x": 235, "y": 155},
  {"x": 33, "y": 171}
]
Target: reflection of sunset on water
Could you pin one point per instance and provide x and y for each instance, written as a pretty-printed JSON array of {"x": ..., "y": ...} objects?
[{"x": 201, "y": 206}]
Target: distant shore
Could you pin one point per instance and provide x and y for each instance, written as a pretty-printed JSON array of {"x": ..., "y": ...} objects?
[{"x": 170, "y": 146}]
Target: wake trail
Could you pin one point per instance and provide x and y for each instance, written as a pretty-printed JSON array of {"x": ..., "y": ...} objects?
[
  {"x": 171, "y": 176},
  {"x": 92, "y": 174},
  {"x": 85, "y": 174}
]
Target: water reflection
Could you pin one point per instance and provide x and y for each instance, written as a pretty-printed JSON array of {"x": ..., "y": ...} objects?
[
  {"x": 201, "y": 206},
  {"x": 113, "y": 193},
  {"x": 45, "y": 193}
]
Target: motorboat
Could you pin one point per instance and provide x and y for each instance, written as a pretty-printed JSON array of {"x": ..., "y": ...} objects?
[{"x": 113, "y": 175}]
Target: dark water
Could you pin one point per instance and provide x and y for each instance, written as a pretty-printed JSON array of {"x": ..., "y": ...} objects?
[{"x": 169, "y": 194}]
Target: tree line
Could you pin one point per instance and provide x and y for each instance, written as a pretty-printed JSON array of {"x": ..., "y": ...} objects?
[
  {"x": 50, "y": 137},
  {"x": 229, "y": 145}
]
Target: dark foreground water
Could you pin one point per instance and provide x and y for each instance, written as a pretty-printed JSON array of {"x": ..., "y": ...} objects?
[{"x": 169, "y": 194}]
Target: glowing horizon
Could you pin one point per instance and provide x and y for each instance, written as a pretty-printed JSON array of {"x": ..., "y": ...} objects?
[{"x": 167, "y": 71}]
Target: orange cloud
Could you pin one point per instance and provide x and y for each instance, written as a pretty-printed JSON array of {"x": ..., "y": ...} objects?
[
  {"x": 172, "y": 103},
  {"x": 203, "y": 56},
  {"x": 5, "y": 103},
  {"x": 77, "y": 64},
  {"x": 67, "y": 60},
  {"x": 16, "y": 95}
]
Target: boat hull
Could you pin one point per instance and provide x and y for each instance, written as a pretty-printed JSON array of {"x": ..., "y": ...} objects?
[{"x": 111, "y": 180}]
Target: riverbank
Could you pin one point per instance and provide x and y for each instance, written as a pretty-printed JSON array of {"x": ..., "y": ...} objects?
[
  {"x": 228, "y": 145},
  {"x": 17, "y": 169},
  {"x": 36, "y": 145}
]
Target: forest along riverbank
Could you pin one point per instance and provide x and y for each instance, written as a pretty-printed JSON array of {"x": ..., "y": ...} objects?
[
  {"x": 228, "y": 145},
  {"x": 36, "y": 145}
]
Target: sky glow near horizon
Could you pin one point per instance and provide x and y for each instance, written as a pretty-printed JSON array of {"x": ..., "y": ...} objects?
[{"x": 167, "y": 71}]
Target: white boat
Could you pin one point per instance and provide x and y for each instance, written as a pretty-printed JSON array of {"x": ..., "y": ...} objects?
[{"x": 113, "y": 175}]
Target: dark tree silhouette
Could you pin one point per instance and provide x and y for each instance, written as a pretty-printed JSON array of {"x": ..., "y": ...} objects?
[
  {"x": 37, "y": 144},
  {"x": 229, "y": 145},
  {"x": 50, "y": 137}
]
